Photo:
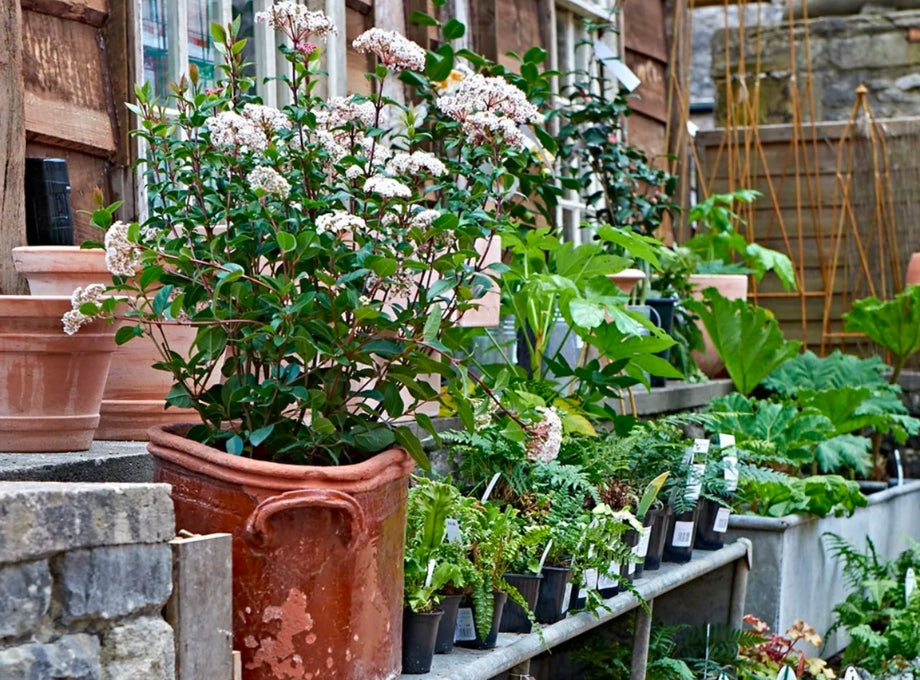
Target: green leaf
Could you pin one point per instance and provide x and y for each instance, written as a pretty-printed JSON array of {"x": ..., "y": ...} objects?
[
  {"x": 748, "y": 338},
  {"x": 234, "y": 445},
  {"x": 432, "y": 324},
  {"x": 374, "y": 438},
  {"x": 423, "y": 19},
  {"x": 287, "y": 242},
  {"x": 125, "y": 333},
  {"x": 260, "y": 435},
  {"x": 211, "y": 340},
  {"x": 384, "y": 267},
  {"x": 893, "y": 324},
  {"x": 453, "y": 29},
  {"x": 178, "y": 396},
  {"x": 406, "y": 438}
]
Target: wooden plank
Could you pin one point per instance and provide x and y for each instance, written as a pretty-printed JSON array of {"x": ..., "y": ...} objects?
[
  {"x": 12, "y": 146},
  {"x": 643, "y": 24},
  {"x": 92, "y": 12},
  {"x": 358, "y": 64},
  {"x": 652, "y": 94},
  {"x": 648, "y": 134},
  {"x": 69, "y": 126},
  {"x": 200, "y": 607},
  {"x": 524, "y": 15}
]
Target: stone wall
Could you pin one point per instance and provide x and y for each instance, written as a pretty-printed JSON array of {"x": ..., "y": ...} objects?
[
  {"x": 880, "y": 51},
  {"x": 85, "y": 570}
]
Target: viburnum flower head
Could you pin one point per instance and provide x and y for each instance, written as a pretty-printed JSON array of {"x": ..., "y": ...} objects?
[
  {"x": 230, "y": 129},
  {"x": 122, "y": 258},
  {"x": 296, "y": 21},
  {"x": 546, "y": 441},
  {"x": 338, "y": 222},
  {"x": 74, "y": 319},
  {"x": 269, "y": 180},
  {"x": 394, "y": 51},
  {"x": 387, "y": 187},
  {"x": 477, "y": 93},
  {"x": 268, "y": 118}
]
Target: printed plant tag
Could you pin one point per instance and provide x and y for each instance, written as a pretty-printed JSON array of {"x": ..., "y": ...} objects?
[
  {"x": 620, "y": 71},
  {"x": 720, "y": 526},
  {"x": 492, "y": 483},
  {"x": 695, "y": 482},
  {"x": 683, "y": 534},
  {"x": 851, "y": 674},
  {"x": 452, "y": 530},
  {"x": 641, "y": 549},
  {"x": 899, "y": 467},
  {"x": 910, "y": 583},
  {"x": 731, "y": 473},
  {"x": 466, "y": 627},
  {"x": 567, "y": 598}
]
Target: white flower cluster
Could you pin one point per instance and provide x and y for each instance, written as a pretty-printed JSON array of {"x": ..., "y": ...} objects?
[
  {"x": 332, "y": 119},
  {"x": 338, "y": 222},
  {"x": 74, "y": 319},
  {"x": 122, "y": 258},
  {"x": 395, "y": 51},
  {"x": 268, "y": 118},
  {"x": 415, "y": 163},
  {"x": 421, "y": 219},
  {"x": 387, "y": 187},
  {"x": 296, "y": 20},
  {"x": 268, "y": 180},
  {"x": 490, "y": 108},
  {"x": 544, "y": 446},
  {"x": 230, "y": 129}
]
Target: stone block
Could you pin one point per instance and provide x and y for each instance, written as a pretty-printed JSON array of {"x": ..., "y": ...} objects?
[
  {"x": 142, "y": 648},
  {"x": 113, "y": 581},
  {"x": 25, "y": 593},
  {"x": 38, "y": 519},
  {"x": 72, "y": 657}
]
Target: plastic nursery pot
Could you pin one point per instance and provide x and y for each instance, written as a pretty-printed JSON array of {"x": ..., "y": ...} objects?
[
  {"x": 641, "y": 549},
  {"x": 419, "y": 634},
  {"x": 712, "y": 524},
  {"x": 551, "y": 600},
  {"x": 660, "y": 523},
  {"x": 445, "y": 640},
  {"x": 628, "y": 569},
  {"x": 514, "y": 618},
  {"x": 678, "y": 546},
  {"x": 499, "y": 598}
]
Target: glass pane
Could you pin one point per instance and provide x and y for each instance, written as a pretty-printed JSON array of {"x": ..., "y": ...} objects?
[
  {"x": 153, "y": 29},
  {"x": 201, "y": 52}
]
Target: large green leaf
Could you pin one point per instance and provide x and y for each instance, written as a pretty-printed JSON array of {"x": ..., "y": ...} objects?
[
  {"x": 811, "y": 372},
  {"x": 893, "y": 324},
  {"x": 845, "y": 452},
  {"x": 747, "y": 338}
]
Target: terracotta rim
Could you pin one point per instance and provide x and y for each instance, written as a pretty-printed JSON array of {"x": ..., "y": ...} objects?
[{"x": 168, "y": 443}]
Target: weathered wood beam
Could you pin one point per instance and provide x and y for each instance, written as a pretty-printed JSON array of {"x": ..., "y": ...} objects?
[
  {"x": 92, "y": 12},
  {"x": 12, "y": 146}
]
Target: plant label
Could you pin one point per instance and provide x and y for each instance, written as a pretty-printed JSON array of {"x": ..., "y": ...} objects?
[
  {"x": 786, "y": 673},
  {"x": 683, "y": 534},
  {"x": 731, "y": 473},
  {"x": 606, "y": 580},
  {"x": 545, "y": 554},
  {"x": 851, "y": 674},
  {"x": 620, "y": 71},
  {"x": 492, "y": 483},
  {"x": 720, "y": 526},
  {"x": 700, "y": 447},
  {"x": 899, "y": 467},
  {"x": 466, "y": 626},
  {"x": 695, "y": 482},
  {"x": 910, "y": 583},
  {"x": 430, "y": 574},
  {"x": 641, "y": 549},
  {"x": 452, "y": 530},
  {"x": 567, "y": 597}
]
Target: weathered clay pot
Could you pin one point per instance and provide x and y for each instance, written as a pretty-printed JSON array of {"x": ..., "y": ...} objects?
[
  {"x": 731, "y": 286},
  {"x": 626, "y": 279},
  {"x": 912, "y": 277},
  {"x": 50, "y": 383},
  {"x": 134, "y": 395},
  {"x": 317, "y": 555}
]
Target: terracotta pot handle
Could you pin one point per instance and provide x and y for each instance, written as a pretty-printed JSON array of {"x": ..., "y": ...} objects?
[{"x": 258, "y": 528}]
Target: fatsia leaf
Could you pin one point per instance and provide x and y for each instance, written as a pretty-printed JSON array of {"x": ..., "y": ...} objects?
[{"x": 747, "y": 338}]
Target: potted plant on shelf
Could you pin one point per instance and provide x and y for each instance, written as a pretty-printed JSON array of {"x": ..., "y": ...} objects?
[{"x": 319, "y": 256}]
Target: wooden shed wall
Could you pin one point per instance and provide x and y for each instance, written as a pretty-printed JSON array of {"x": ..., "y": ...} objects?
[{"x": 646, "y": 53}]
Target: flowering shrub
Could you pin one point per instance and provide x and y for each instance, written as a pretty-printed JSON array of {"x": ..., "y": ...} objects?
[{"x": 319, "y": 254}]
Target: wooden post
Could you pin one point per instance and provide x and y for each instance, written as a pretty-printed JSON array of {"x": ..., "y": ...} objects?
[
  {"x": 12, "y": 145},
  {"x": 200, "y": 608},
  {"x": 643, "y": 631}
]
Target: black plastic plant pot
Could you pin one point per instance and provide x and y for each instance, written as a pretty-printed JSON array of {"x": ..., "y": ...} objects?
[
  {"x": 499, "y": 598},
  {"x": 628, "y": 569},
  {"x": 514, "y": 618},
  {"x": 664, "y": 308},
  {"x": 678, "y": 546},
  {"x": 420, "y": 630},
  {"x": 660, "y": 522},
  {"x": 712, "y": 524},
  {"x": 551, "y": 601},
  {"x": 445, "y": 641}
]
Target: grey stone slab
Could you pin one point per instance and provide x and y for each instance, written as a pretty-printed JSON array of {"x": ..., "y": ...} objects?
[
  {"x": 38, "y": 519},
  {"x": 111, "y": 582},
  {"x": 72, "y": 657},
  {"x": 25, "y": 594},
  {"x": 142, "y": 648},
  {"x": 104, "y": 462}
]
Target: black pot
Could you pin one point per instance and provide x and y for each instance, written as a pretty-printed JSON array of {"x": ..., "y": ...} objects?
[
  {"x": 678, "y": 546},
  {"x": 550, "y": 602},
  {"x": 660, "y": 523},
  {"x": 711, "y": 525},
  {"x": 418, "y": 637},
  {"x": 514, "y": 618},
  {"x": 628, "y": 570},
  {"x": 499, "y": 598},
  {"x": 664, "y": 308},
  {"x": 641, "y": 549},
  {"x": 445, "y": 641}
]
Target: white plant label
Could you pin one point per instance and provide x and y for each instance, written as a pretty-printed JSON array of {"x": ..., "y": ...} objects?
[
  {"x": 452, "y": 530},
  {"x": 851, "y": 674},
  {"x": 731, "y": 473},
  {"x": 492, "y": 483},
  {"x": 785, "y": 673},
  {"x": 430, "y": 575},
  {"x": 695, "y": 482},
  {"x": 641, "y": 549},
  {"x": 606, "y": 580},
  {"x": 567, "y": 598},
  {"x": 631, "y": 567},
  {"x": 720, "y": 526},
  {"x": 466, "y": 625},
  {"x": 545, "y": 553},
  {"x": 899, "y": 467},
  {"x": 683, "y": 534},
  {"x": 621, "y": 71},
  {"x": 910, "y": 583},
  {"x": 700, "y": 447}
]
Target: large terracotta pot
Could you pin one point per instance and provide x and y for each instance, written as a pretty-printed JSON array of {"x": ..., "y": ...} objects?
[
  {"x": 134, "y": 395},
  {"x": 731, "y": 286},
  {"x": 50, "y": 383},
  {"x": 913, "y": 270},
  {"x": 317, "y": 555}
]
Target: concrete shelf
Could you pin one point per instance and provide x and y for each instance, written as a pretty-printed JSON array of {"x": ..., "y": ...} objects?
[{"x": 514, "y": 652}]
